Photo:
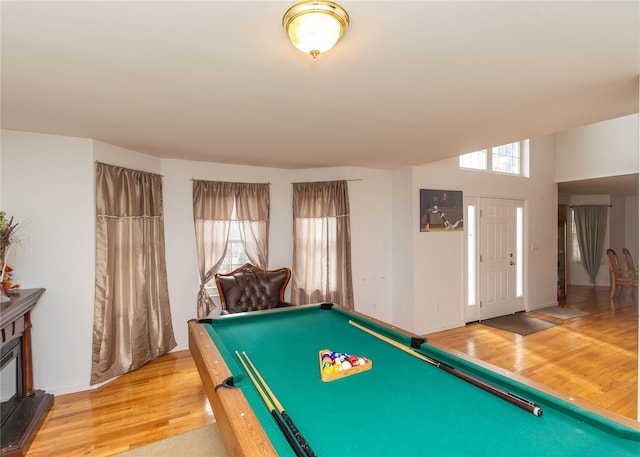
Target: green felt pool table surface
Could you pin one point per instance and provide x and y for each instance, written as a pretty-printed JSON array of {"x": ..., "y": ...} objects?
[{"x": 403, "y": 406}]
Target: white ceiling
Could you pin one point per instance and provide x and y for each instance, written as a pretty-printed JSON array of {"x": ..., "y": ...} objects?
[{"x": 411, "y": 81}]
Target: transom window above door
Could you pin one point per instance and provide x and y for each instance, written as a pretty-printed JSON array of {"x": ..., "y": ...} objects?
[{"x": 511, "y": 158}]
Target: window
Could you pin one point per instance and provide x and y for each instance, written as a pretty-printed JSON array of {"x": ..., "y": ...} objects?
[
  {"x": 575, "y": 249},
  {"x": 519, "y": 251},
  {"x": 476, "y": 160},
  {"x": 470, "y": 224},
  {"x": 508, "y": 158},
  {"x": 235, "y": 256}
]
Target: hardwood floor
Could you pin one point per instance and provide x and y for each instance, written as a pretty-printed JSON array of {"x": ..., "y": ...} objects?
[
  {"x": 162, "y": 399},
  {"x": 593, "y": 357}
]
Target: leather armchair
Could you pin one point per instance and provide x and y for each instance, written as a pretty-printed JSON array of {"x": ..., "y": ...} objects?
[{"x": 250, "y": 288}]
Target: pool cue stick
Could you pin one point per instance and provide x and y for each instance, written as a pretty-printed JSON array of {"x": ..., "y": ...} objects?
[
  {"x": 287, "y": 433},
  {"x": 508, "y": 396},
  {"x": 303, "y": 443}
]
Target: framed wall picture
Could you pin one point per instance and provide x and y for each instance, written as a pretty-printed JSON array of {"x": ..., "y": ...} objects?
[{"x": 441, "y": 210}]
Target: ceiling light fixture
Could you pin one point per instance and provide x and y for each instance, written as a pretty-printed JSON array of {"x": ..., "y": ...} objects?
[{"x": 315, "y": 26}]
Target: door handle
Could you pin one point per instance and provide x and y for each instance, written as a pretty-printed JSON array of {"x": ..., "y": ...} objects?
[{"x": 512, "y": 263}]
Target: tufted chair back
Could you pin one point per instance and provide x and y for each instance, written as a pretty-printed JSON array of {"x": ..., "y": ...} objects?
[{"x": 250, "y": 288}]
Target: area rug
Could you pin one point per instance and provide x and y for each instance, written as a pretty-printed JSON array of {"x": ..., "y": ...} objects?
[
  {"x": 560, "y": 312},
  {"x": 519, "y": 323},
  {"x": 201, "y": 442}
]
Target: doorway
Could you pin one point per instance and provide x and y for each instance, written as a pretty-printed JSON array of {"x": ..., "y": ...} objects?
[{"x": 501, "y": 251}]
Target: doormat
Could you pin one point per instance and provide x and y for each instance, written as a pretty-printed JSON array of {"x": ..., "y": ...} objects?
[
  {"x": 519, "y": 323},
  {"x": 560, "y": 312}
]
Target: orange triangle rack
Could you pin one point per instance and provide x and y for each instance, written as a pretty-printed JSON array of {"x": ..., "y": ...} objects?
[{"x": 328, "y": 375}]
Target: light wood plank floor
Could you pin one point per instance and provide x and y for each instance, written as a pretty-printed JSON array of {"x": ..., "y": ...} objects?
[
  {"x": 162, "y": 399},
  {"x": 592, "y": 357}
]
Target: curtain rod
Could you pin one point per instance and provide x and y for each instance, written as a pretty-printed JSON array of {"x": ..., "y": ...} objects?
[
  {"x": 348, "y": 180},
  {"x": 127, "y": 168},
  {"x": 355, "y": 179},
  {"x": 582, "y": 206},
  {"x": 232, "y": 182}
]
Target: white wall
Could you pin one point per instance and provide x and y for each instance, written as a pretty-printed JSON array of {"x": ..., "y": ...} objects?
[
  {"x": 413, "y": 280},
  {"x": 48, "y": 185},
  {"x": 403, "y": 255},
  {"x": 439, "y": 258},
  {"x": 48, "y": 188},
  {"x": 608, "y": 148}
]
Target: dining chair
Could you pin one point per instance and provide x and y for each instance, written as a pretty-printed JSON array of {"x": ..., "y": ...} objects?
[
  {"x": 619, "y": 277},
  {"x": 628, "y": 260}
]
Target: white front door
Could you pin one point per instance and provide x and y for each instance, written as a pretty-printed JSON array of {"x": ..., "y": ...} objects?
[{"x": 497, "y": 258}]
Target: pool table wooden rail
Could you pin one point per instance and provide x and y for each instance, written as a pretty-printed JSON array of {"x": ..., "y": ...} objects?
[{"x": 241, "y": 431}]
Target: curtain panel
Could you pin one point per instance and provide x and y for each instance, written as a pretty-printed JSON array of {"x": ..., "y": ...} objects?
[
  {"x": 214, "y": 204},
  {"x": 591, "y": 228},
  {"x": 322, "y": 244},
  {"x": 132, "y": 315}
]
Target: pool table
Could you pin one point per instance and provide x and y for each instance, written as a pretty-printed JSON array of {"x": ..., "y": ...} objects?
[{"x": 402, "y": 406}]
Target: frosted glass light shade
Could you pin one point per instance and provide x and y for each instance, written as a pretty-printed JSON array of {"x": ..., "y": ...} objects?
[{"x": 315, "y": 26}]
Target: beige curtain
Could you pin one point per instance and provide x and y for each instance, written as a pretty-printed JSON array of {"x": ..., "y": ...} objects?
[
  {"x": 132, "y": 317},
  {"x": 322, "y": 244},
  {"x": 213, "y": 211},
  {"x": 591, "y": 228},
  {"x": 252, "y": 212}
]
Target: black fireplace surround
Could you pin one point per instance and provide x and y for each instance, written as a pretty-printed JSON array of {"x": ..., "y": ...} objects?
[
  {"x": 22, "y": 408},
  {"x": 11, "y": 389}
]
